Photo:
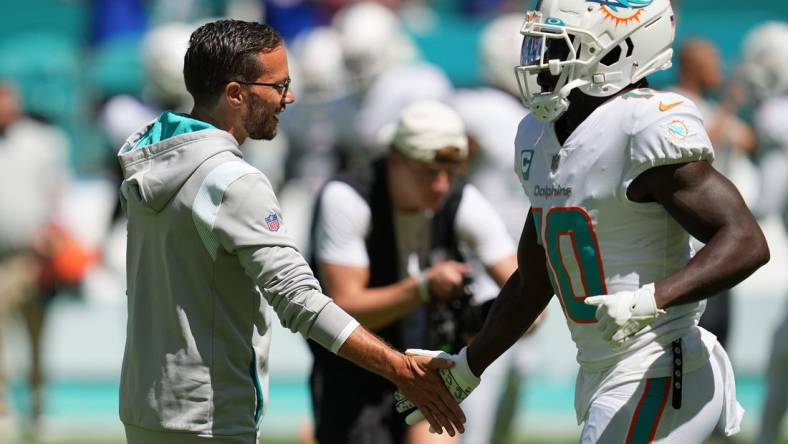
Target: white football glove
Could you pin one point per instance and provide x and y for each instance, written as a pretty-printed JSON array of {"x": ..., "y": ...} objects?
[
  {"x": 625, "y": 313},
  {"x": 459, "y": 380}
]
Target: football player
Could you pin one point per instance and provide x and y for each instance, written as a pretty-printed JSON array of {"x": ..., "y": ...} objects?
[
  {"x": 491, "y": 113},
  {"x": 619, "y": 176},
  {"x": 764, "y": 69}
]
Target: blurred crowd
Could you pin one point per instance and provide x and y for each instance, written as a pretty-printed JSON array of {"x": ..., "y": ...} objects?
[{"x": 354, "y": 67}]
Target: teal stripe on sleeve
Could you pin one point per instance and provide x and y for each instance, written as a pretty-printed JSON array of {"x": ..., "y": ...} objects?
[{"x": 208, "y": 200}]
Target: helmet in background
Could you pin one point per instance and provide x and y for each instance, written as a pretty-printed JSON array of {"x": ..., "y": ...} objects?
[
  {"x": 597, "y": 46},
  {"x": 372, "y": 39},
  {"x": 764, "y": 64},
  {"x": 499, "y": 46},
  {"x": 321, "y": 69},
  {"x": 163, "y": 50}
]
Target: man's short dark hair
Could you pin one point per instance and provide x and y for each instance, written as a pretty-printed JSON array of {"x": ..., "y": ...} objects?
[{"x": 225, "y": 50}]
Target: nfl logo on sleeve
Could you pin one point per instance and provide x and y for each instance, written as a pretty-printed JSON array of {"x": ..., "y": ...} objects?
[
  {"x": 272, "y": 220},
  {"x": 555, "y": 162}
]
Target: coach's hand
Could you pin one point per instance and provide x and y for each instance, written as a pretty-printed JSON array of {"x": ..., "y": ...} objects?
[
  {"x": 459, "y": 380},
  {"x": 625, "y": 313},
  {"x": 420, "y": 383}
]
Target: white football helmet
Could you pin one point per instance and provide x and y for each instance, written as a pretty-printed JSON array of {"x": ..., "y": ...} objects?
[
  {"x": 373, "y": 39},
  {"x": 163, "y": 50},
  {"x": 598, "y": 46},
  {"x": 499, "y": 45},
  {"x": 764, "y": 64},
  {"x": 321, "y": 67}
]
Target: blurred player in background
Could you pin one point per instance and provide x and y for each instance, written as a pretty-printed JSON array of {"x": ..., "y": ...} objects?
[
  {"x": 619, "y": 176},
  {"x": 387, "y": 69},
  {"x": 491, "y": 114},
  {"x": 357, "y": 76},
  {"x": 319, "y": 126},
  {"x": 387, "y": 244},
  {"x": 33, "y": 172},
  {"x": 764, "y": 71},
  {"x": 208, "y": 257},
  {"x": 700, "y": 75}
]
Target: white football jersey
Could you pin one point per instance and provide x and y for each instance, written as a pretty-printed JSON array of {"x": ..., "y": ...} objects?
[
  {"x": 596, "y": 240},
  {"x": 491, "y": 117},
  {"x": 769, "y": 122},
  {"x": 772, "y": 132}
]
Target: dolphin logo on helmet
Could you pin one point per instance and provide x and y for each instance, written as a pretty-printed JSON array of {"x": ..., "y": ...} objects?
[
  {"x": 630, "y": 4},
  {"x": 622, "y": 12}
]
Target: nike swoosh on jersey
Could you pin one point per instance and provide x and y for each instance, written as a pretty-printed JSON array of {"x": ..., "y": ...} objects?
[{"x": 663, "y": 107}]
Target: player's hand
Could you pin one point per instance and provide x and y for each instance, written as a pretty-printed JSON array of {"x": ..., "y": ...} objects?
[
  {"x": 446, "y": 279},
  {"x": 459, "y": 380},
  {"x": 422, "y": 384},
  {"x": 625, "y": 313}
]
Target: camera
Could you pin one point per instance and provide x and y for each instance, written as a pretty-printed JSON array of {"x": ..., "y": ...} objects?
[{"x": 452, "y": 323}]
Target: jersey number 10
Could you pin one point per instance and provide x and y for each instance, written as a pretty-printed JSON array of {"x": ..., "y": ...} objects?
[{"x": 573, "y": 259}]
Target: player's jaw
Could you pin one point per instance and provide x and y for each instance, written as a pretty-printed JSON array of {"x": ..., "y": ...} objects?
[{"x": 547, "y": 81}]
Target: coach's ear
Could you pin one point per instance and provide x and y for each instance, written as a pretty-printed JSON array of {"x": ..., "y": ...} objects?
[{"x": 233, "y": 95}]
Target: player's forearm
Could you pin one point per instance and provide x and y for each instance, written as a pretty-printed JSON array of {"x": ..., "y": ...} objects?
[
  {"x": 513, "y": 312},
  {"x": 730, "y": 256},
  {"x": 378, "y": 307}
]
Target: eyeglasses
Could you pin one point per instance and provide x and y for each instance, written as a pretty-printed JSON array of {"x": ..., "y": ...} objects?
[{"x": 280, "y": 88}]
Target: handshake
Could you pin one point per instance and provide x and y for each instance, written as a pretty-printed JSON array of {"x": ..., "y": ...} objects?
[{"x": 459, "y": 380}]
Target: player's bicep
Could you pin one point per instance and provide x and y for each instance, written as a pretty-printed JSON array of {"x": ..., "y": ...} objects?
[{"x": 697, "y": 196}]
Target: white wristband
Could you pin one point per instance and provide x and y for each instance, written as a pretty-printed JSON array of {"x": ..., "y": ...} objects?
[{"x": 423, "y": 287}]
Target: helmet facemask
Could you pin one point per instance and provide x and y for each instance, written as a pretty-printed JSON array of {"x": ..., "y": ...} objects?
[{"x": 548, "y": 60}]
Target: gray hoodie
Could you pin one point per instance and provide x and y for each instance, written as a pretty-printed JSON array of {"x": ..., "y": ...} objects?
[{"x": 208, "y": 255}]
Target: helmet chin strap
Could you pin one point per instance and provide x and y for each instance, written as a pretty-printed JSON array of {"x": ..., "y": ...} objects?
[{"x": 551, "y": 107}]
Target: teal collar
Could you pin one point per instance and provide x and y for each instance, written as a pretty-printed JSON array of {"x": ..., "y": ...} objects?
[{"x": 169, "y": 125}]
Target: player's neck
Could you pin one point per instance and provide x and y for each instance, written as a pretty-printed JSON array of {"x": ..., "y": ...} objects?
[{"x": 581, "y": 106}]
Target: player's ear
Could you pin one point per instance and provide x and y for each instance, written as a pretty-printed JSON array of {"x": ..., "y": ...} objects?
[{"x": 233, "y": 94}]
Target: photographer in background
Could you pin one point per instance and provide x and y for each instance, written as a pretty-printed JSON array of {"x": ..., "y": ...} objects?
[{"x": 386, "y": 246}]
